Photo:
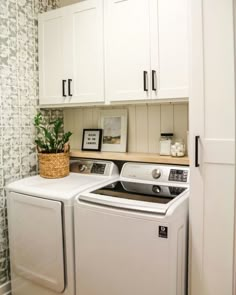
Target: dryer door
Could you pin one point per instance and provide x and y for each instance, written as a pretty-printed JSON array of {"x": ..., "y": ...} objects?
[{"x": 36, "y": 240}]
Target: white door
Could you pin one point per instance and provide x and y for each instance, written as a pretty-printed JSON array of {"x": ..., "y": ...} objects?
[
  {"x": 87, "y": 52},
  {"x": 212, "y": 117},
  {"x": 127, "y": 49},
  {"x": 36, "y": 240},
  {"x": 52, "y": 79},
  {"x": 169, "y": 48}
]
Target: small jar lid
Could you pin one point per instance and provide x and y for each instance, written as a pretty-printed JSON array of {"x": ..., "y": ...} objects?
[{"x": 167, "y": 134}]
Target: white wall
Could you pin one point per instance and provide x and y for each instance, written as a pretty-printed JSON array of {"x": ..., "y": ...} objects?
[{"x": 145, "y": 123}]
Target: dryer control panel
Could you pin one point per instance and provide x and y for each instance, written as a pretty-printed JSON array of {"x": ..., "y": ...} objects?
[{"x": 85, "y": 166}]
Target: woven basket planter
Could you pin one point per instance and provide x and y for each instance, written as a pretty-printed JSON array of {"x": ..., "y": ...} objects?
[{"x": 53, "y": 165}]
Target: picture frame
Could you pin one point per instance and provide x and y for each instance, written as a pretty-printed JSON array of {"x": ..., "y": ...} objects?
[
  {"x": 114, "y": 125},
  {"x": 92, "y": 140}
]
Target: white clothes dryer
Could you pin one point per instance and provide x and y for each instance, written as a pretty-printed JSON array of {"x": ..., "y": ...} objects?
[{"x": 40, "y": 214}]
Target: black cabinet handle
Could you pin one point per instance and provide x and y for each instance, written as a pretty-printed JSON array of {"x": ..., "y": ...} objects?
[
  {"x": 196, "y": 150},
  {"x": 63, "y": 88},
  {"x": 145, "y": 82},
  {"x": 69, "y": 87},
  {"x": 154, "y": 87}
]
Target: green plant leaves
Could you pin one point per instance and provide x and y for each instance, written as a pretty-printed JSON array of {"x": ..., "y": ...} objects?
[
  {"x": 66, "y": 136},
  {"x": 57, "y": 127},
  {"x": 50, "y": 138},
  {"x": 38, "y": 119}
]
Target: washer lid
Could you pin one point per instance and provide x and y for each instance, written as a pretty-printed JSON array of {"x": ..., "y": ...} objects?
[
  {"x": 61, "y": 189},
  {"x": 145, "y": 197}
]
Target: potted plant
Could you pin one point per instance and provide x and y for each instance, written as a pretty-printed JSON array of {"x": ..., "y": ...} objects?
[{"x": 52, "y": 146}]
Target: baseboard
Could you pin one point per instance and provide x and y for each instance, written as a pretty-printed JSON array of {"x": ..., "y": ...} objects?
[{"x": 5, "y": 288}]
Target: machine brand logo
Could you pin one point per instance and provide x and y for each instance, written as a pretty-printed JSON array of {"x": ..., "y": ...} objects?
[{"x": 163, "y": 232}]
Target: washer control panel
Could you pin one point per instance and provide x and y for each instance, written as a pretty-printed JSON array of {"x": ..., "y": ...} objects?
[
  {"x": 178, "y": 175},
  {"x": 155, "y": 173}
]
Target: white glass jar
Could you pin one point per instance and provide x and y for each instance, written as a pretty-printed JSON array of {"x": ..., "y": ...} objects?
[
  {"x": 178, "y": 148},
  {"x": 165, "y": 143}
]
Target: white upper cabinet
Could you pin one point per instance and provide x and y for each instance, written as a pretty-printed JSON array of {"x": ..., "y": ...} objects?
[
  {"x": 146, "y": 49},
  {"x": 87, "y": 58},
  {"x": 51, "y": 56},
  {"x": 71, "y": 57},
  {"x": 169, "y": 48},
  {"x": 127, "y": 54},
  {"x": 118, "y": 50}
]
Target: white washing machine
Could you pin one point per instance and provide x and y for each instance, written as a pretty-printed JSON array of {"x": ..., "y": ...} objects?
[
  {"x": 40, "y": 214},
  {"x": 131, "y": 236}
]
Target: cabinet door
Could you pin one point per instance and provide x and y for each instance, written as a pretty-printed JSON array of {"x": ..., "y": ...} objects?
[
  {"x": 87, "y": 52},
  {"x": 127, "y": 52},
  {"x": 51, "y": 56},
  {"x": 169, "y": 48},
  {"x": 212, "y": 117}
]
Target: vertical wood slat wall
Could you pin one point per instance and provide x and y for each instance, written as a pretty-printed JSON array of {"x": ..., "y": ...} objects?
[{"x": 145, "y": 123}]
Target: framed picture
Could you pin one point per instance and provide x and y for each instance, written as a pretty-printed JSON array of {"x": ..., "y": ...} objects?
[
  {"x": 114, "y": 125},
  {"x": 92, "y": 139}
]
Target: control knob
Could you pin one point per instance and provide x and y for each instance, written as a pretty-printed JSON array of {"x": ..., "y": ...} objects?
[
  {"x": 156, "y": 173},
  {"x": 82, "y": 167},
  {"x": 156, "y": 189}
]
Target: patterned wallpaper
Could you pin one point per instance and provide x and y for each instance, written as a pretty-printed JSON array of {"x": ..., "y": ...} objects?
[
  {"x": 18, "y": 101},
  {"x": 45, "y": 5}
]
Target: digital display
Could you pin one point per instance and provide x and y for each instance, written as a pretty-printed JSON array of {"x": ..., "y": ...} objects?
[
  {"x": 178, "y": 175},
  {"x": 175, "y": 191},
  {"x": 98, "y": 168}
]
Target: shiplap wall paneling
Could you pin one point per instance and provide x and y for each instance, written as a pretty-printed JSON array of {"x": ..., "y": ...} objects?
[
  {"x": 154, "y": 128},
  {"x": 132, "y": 129},
  {"x": 145, "y": 124},
  {"x": 167, "y": 118},
  {"x": 180, "y": 117},
  {"x": 141, "y": 118}
]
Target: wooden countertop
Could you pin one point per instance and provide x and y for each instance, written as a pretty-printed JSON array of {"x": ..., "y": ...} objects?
[{"x": 131, "y": 157}]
